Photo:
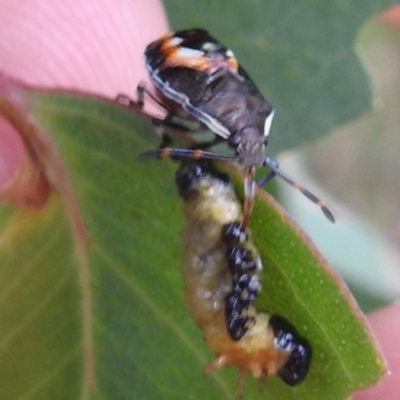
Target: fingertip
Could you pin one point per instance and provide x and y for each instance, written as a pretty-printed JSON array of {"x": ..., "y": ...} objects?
[
  {"x": 386, "y": 325},
  {"x": 94, "y": 46}
]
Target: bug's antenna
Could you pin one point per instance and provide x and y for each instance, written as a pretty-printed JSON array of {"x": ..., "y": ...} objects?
[{"x": 274, "y": 165}]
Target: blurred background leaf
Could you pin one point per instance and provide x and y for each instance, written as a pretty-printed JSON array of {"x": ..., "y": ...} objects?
[{"x": 358, "y": 163}]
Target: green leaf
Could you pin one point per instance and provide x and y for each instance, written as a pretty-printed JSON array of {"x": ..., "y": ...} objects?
[
  {"x": 92, "y": 300},
  {"x": 301, "y": 53}
]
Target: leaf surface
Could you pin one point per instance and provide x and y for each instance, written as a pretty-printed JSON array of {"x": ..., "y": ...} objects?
[{"x": 92, "y": 297}]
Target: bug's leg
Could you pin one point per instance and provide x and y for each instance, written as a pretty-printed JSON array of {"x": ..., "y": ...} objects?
[
  {"x": 206, "y": 145},
  {"x": 160, "y": 124},
  {"x": 127, "y": 101},
  {"x": 275, "y": 171},
  {"x": 273, "y": 165},
  {"x": 180, "y": 153},
  {"x": 166, "y": 141},
  {"x": 265, "y": 179},
  {"x": 141, "y": 91}
]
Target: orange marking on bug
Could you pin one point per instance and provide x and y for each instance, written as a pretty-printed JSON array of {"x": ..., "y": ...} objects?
[
  {"x": 197, "y": 154},
  {"x": 200, "y": 63},
  {"x": 166, "y": 152},
  {"x": 207, "y": 62}
]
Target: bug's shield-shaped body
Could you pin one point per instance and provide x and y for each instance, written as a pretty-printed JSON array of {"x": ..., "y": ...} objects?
[
  {"x": 198, "y": 79},
  {"x": 193, "y": 71}
]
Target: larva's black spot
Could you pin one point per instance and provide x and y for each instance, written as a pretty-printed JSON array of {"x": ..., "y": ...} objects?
[
  {"x": 234, "y": 234},
  {"x": 288, "y": 339},
  {"x": 240, "y": 260},
  {"x": 237, "y": 326},
  {"x": 298, "y": 364},
  {"x": 285, "y": 333},
  {"x": 234, "y": 305},
  {"x": 188, "y": 176}
]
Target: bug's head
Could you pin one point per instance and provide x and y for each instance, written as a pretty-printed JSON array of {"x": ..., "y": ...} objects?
[
  {"x": 250, "y": 141},
  {"x": 249, "y": 144},
  {"x": 287, "y": 339}
]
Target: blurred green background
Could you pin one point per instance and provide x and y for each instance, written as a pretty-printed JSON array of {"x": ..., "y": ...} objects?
[{"x": 355, "y": 169}]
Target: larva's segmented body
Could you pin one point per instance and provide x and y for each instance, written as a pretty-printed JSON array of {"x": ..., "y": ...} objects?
[
  {"x": 244, "y": 264},
  {"x": 212, "y": 209},
  {"x": 217, "y": 254}
]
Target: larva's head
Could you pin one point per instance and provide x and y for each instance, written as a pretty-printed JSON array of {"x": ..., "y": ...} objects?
[
  {"x": 209, "y": 196},
  {"x": 195, "y": 177}
]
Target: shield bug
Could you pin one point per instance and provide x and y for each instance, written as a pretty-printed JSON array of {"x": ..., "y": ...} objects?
[
  {"x": 220, "y": 289},
  {"x": 197, "y": 79}
]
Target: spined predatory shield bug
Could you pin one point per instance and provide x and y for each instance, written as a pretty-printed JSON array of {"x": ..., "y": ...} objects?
[{"x": 197, "y": 79}]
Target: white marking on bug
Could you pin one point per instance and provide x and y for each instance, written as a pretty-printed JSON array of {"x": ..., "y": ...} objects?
[
  {"x": 175, "y": 41},
  {"x": 185, "y": 52},
  {"x": 184, "y": 102},
  {"x": 209, "y": 46},
  {"x": 268, "y": 123}
]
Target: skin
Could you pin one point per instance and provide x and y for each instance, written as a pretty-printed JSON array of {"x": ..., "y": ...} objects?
[{"x": 36, "y": 38}]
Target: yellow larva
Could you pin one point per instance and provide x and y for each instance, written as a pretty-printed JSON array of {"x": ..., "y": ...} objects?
[{"x": 260, "y": 343}]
